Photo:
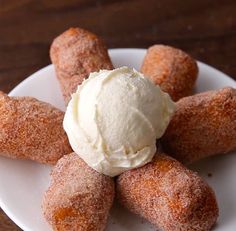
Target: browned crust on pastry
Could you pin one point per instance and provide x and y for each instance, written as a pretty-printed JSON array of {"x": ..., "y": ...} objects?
[
  {"x": 172, "y": 69},
  {"x": 203, "y": 125},
  {"x": 75, "y": 54},
  {"x": 31, "y": 129},
  {"x": 168, "y": 195},
  {"x": 79, "y": 198}
]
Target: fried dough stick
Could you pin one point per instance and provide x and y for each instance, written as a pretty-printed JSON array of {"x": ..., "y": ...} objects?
[
  {"x": 79, "y": 198},
  {"x": 31, "y": 129},
  {"x": 168, "y": 195},
  {"x": 172, "y": 69},
  {"x": 203, "y": 125},
  {"x": 75, "y": 54}
]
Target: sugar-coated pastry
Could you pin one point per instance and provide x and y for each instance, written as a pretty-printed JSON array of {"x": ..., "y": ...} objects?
[
  {"x": 168, "y": 195},
  {"x": 203, "y": 125},
  {"x": 79, "y": 198},
  {"x": 172, "y": 69},
  {"x": 75, "y": 54},
  {"x": 31, "y": 129}
]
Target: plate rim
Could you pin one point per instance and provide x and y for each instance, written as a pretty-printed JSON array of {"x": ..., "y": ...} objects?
[{"x": 110, "y": 51}]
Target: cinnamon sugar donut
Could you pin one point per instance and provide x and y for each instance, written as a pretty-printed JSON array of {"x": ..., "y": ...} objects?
[
  {"x": 172, "y": 69},
  {"x": 75, "y": 54},
  {"x": 79, "y": 198},
  {"x": 202, "y": 125},
  {"x": 31, "y": 129},
  {"x": 168, "y": 195}
]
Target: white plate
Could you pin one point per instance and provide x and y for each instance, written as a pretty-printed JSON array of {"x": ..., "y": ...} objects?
[{"x": 22, "y": 183}]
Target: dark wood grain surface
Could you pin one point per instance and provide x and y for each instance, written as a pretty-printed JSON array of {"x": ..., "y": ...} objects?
[{"x": 204, "y": 28}]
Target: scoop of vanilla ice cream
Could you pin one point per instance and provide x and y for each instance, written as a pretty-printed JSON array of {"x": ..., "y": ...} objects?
[{"x": 114, "y": 119}]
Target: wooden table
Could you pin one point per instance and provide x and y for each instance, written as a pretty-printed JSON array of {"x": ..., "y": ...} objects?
[{"x": 205, "y": 28}]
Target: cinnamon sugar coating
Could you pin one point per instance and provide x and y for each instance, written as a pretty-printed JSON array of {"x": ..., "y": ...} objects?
[
  {"x": 79, "y": 198},
  {"x": 172, "y": 69},
  {"x": 203, "y": 125},
  {"x": 31, "y": 129},
  {"x": 168, "y": 195},
  {"x": 75, "y": 54}
]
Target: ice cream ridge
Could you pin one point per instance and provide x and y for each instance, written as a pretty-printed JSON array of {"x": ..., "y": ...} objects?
[{"x": 114, "y": 119}]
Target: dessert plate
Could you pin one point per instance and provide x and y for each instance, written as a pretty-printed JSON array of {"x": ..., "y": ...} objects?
[{"x": 22, "y": 183}]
